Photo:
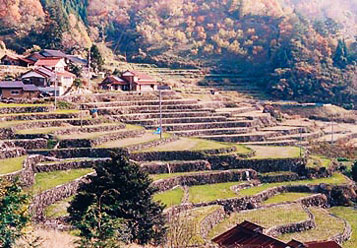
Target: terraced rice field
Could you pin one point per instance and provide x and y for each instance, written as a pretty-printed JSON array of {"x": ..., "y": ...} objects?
[
  {"x": 285, "y": 197},
  {"x": 171, "y": 197}
]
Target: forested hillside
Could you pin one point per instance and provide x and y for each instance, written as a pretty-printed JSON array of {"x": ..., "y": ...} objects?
[{"x": 295, "y": 49}]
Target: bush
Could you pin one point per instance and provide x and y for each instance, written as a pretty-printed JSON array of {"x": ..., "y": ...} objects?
[{"x": 354, "y": 171}]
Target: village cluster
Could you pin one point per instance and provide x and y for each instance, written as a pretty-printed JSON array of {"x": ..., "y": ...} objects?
[{"x": 49, "y": 75}]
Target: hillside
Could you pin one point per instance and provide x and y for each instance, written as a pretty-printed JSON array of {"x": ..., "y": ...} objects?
[{"x": 293, "y": 49}]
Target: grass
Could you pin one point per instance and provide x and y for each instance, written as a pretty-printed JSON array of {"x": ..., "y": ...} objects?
[
  {"x": 48, "y": 180},
  {"x": 211, "y": 192},
  {"x": 171, "y": 197},
  {"x": 265, "y": 217},
  {"x": 59, "y": 111},
  {"x": 318, "y": 161},
  {"x": 327, "y": 226},
  {"x": 275, "y": 152},
  {"x": 196, "y": 144},
  {"x": 336, "y": 179},
  {"x": 148, "y": 137},
  {"x": 156, "y": 177},
  {"x": 284, "y": 197},
  {"x": 15, "y": 105},
  {"x": 58, "y": 209},
  {"x": 93, "y": 135},
  {"x": 350, "y": 215},
  {"x": 11, "y": 165}
]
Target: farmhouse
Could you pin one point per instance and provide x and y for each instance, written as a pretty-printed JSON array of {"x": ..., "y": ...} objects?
[
  {"x": 16, "y": 60},
  {"x": 41, "y": 77},
  {"x": 248, "y": 234},
  {"x": 55, "y": 64},
  {"x": 17, "y": 89},
  {"x": 129, "y": 81}
]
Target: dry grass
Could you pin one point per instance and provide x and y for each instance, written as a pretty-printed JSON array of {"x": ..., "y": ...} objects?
[{"x": 275, "y": 152}]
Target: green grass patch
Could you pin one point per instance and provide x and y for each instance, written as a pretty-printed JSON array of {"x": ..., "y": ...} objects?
[
  {"x": 318, "y": 161},
  {"x": 16, "y": 105},
  {"x": 265, "y": 217},
  {"x": 11, "y": 164},
  {"x": 335, "y": 179},
  {"x": 48, "y": 180},
  {"x": 59, "y": 209},
  {"x": 146, "y": 138},
  {"x": 275, "y": 152},
  {"x": 327, "y": 226},
  {"x": 156, "y": 177},
  {"x": 211, "y": 192},
  {"x": 171, "y": 197},
  {"x": 284, "y": 197},
  {"x": 350, "y": 215}
]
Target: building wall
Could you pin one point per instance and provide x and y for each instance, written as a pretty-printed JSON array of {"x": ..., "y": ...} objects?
[{"x": 9, "y": 93}]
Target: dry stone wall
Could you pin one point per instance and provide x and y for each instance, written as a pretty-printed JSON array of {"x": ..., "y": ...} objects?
[
  {"x": 70, "y": 165},
  {"x": 175, "y": 166},
  {"x": 29, "y": 109}
]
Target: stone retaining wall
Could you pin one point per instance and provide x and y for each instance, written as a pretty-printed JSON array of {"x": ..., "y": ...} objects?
[
  {"x": 42, "y": 116},
  {"x": 211, "y": 221},
  {"x": 12, "y": 152},
  {"x": 68, "y": 143},
  {"x": 275, "y": 178},
  {"x": 85, "y": 129},
  {"x": 50, "y": 196},
  {"x": 345, "y": 235},
  {"x": 29, "y": 144},
  {"x": 70, "y": 165},
  {"x": 175, "y": 166},
  {"x": 178, "y": 155},
  {"x": 28, "y": 109},
  {"x": 262, "y": 165},
  {"x": 204, "y": 178},
  {"x": 293, "y": 227},
  {"x": 6, "y": 133},
  {"x": 150, "y": 144}
]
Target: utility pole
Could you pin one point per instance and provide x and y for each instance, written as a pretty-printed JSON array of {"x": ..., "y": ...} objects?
[
  {"x": 300, "y": 140},
  {"x": 55, "y": 92},
  {"x": 332, "y": 134}
]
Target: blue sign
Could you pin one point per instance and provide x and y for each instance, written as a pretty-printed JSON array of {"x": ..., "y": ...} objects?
[{"x": 158, "y": 131}]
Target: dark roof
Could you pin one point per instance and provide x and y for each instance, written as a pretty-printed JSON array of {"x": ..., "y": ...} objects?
[
  {"x": 247, "y": 234},
  {"x": 296, "y": 244},
  {"x": 322, "y": 244},
  {"x": 114, "y": 80},
  {"x": 11, "y": 85},
  {"x": 53, "y": 53},
  {"x": 35, "y": 56},
  {"x": 77, "y": 60}
]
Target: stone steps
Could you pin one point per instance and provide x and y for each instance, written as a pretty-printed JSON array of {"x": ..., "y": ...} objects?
[
  {"x": 248, "y": 137},
  {"x": 156, "y": 121},
  {"x": 216, "y": 131},
  {"x": 206, "y": 125}
]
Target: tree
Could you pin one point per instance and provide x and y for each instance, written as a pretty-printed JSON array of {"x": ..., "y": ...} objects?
[
  {"x": 340, "y": 58},
  {"x": 118, "y": 199},
  {"x": 13, "y": 212},
  {"x": 354, "y": 171},
  {"x": 96, "y": 58}
]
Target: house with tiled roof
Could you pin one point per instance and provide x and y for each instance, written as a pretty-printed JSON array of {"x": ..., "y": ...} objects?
[
  {"x": 17, "y": 89},
  {"x": 248, "y": 235},
  {"x": 129, "y": 81},
  {"x": 55, "y": 64},
  {"x": 17, "y": 60}
]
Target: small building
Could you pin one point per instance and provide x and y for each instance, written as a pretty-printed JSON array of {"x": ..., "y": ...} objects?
[
  {"x": 247, "y": 235},
  {"x": 17, "y": 89},
  {"x": 54, "y": 64},
  {"x": 41, "y": 77},
  {"x": 16, "y": 60},
  {"x": 139, "y": 81},
  {"x": 114, "y": 83}
]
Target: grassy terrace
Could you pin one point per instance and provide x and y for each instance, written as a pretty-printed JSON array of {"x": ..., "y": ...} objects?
[
  {"x": 327, "y": 226},
  {"x": 47, "y": 130},
  {"x": 93, "y": 135},
  {"x": 58, "y": 209},
  {"x": 265, "y": 217},
  {"x": 317, "y": 161},
  {"x": 5, "y": 124},
  {"x": 284, "y": 197},
  {"x": 59, "y": 111},
  {"x": 15, "y": 105},
  {"x": 11, "y": 165},
  {"x": 336, "y": 179},
  {"x": 196, "y": 144},
  {"x": 148, "y": 137},
  {"x": 48, "y": 180},
  {"x": 275, "y": 152},
  {"x": 156, "y": 177},
  {"x": 171, "y": 197},
  {"x": 350, "y": 215},
  {"x": 211, "y": 192}
]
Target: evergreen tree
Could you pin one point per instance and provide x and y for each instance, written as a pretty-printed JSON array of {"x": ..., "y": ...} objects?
[
  {"x": 13, "y": 213},
  {"x": 354, "y": 171},
  {"x": 340, "y": 57},
  {"x": 121, "y": 192},
  {"x": 96, "y": 58}
]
